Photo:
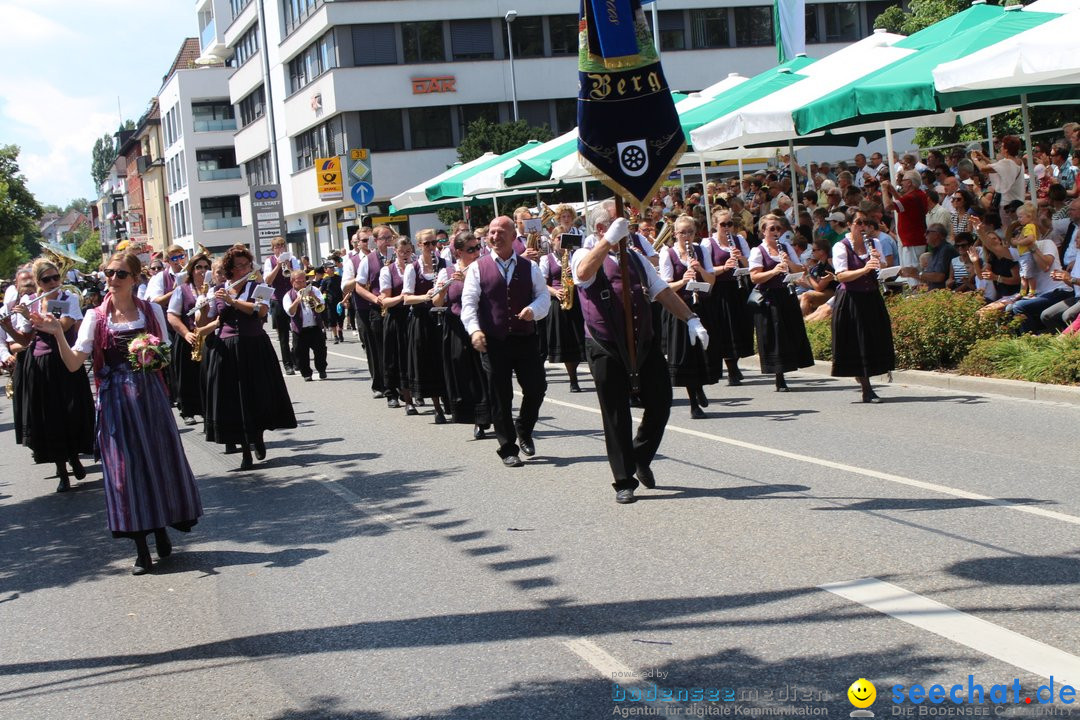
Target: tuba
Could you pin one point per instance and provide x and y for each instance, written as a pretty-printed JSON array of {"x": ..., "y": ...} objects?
[
  {"x": 65, "y": 262},
  {"x": 547, "y": 216},
  {"x": 664, "y": 235},
  {"x": 567, "y": 281}
]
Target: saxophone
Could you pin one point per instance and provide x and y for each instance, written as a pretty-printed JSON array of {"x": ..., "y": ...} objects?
[
  {"x": 197, "y": 346},
  {"x": 567, "y": 282}
]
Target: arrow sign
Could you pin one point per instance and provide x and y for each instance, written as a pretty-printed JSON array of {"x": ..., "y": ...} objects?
[{"x": 363, "y": 193}]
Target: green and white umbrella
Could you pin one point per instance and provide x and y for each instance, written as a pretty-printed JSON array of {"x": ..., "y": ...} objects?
[{"x": 416, "y": 196}]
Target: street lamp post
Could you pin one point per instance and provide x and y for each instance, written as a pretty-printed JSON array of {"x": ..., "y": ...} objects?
[{"x": 511, "y": 15}]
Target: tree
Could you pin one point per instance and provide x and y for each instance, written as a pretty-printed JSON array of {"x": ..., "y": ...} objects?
[
  {"x": 90, "y": 251},
  {"x": 104, "y": 154},
  {"x": 482, "y": 136},
  {"x": 19, "y": 213},
  {"x": 81, "y": 205}
]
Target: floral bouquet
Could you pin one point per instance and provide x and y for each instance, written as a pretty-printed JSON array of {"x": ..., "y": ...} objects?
[{"x": 145, "y": 352}]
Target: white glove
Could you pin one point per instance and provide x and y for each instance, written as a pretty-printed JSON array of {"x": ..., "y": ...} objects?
[
  {"x": 619, "y": 229},
  {"x": 697, "y": 332}
]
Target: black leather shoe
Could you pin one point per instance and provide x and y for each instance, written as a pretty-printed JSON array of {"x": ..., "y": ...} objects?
[
  {"x": 478, "y": 433},
  {"x": 322, "y": 375},
  {"x": 697, "y": 413},
  {"x": 307, "y": 378},
  {"x": 645, "y": 477},
  {"x": 290, "y": 371},
  {"x": 871, "y": 397},
  {"x": 512, "y": 461},
  {"x": 77, "y": 469},
  {"x": 377, "y": 394},
  {"x": 64, "y": 485},
  {"x": 735, "y": 377},
  {"x": 440, "y": 419},
  {"x": 231, "y": 449},
  {"x": 625, "y": 497},
  {"x": 189, "y": 420},
  {"x": 162, "y": 543},
  {"x": 246, "y": 462},
  {"x": 393, "y": 403},
  {"x": 143, "y": 564},
  {"x": 527, "y": 447},
  {"x": 701, "y": 399},
  {"x": 260, "y": 449},
  {"x": 575, "y": 388},
  {"x": 411, "y": 410},
  {"x": 783, "y": 388},
  {"x": 420, "y": 401}
]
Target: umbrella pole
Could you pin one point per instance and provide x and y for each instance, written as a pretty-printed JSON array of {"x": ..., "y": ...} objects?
[
  {"x": 740, "y": 174},
  {"x": 1027, "y": 146},
  {"x": 584, "y": 199},
  {"x": 705, "y": 192},
  {"x": 495, "y": 204},
  {"x": 791, "y": 172},
  {"x": 892, "y": 169},
  {"x": 989, "y": 137}
]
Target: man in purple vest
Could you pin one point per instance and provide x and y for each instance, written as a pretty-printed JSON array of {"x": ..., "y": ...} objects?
[
  {"x": 598, "y": 279},
  {"x": 160, "y": 288},
  {"x": 503, "y": 296},
  {"x": 276, "y": 271},
  {"x": 360, "y": 274}
]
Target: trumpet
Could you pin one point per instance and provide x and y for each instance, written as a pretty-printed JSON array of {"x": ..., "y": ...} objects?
[
  {"x": 317, "y": 306},
  {"x": 567, "y": 282}
]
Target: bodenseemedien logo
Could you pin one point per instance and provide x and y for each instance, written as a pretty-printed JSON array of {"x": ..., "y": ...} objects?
[{"x": 862, "y": 694}]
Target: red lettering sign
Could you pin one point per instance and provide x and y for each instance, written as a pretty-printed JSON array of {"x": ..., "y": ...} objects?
[{"x": 441, "y": 84}]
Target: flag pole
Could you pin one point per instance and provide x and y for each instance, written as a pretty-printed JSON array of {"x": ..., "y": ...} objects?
[{"x": 628, "y": 313}]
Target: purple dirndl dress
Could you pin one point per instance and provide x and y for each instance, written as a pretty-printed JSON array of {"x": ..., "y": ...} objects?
[{"x": 148, "y": 482}]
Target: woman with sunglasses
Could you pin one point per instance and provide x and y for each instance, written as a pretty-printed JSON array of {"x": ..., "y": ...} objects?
[
  {"x": 463, "y": 373},
  {"x": 186, "y": 382},
  {"x": 148, "y": 482},
  {"x": 396, "y": 326},
  {"x": 962, "y": 202},
  {"x": 732, "y": 334},
  {"x": 862, "y": 343},
  {"x": 781, "y": 334},
  {"x": 565, "y": 328},
  {"x": 680, "y": 264},
  {"x": 424, "y": 338},
  {"x": 53, "y": 408},
  {"x": 245, "y": 391}
]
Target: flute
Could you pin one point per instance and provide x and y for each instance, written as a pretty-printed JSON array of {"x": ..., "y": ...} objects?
[{"x": 5, "y": 311}]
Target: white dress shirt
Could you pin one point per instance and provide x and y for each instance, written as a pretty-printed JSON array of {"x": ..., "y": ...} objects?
[
  {"x": 88, "y": 330},
  {"x": 307, "y": 315},
  {"x": 470, "y": 293},
  {"x": 655, "y": 285}
]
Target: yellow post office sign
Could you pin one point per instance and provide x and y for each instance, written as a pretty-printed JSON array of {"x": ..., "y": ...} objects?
[{"x": 328, "y": 177}]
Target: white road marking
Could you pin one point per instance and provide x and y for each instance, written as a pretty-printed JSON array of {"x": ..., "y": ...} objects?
[
  {"x": 358, "y": 504},
  {"x": 843, "y": 467},
  {"x": 606, "y": 664},
  {"x": 990, "y": 639}
]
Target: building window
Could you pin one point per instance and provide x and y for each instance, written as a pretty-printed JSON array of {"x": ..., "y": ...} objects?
[
  {"x": 238, "y": 6},
  {"x": 246, "y": 47},
  {"x": 472, "y": 40},
  {"x": 528, "y": 34},
  {"x": 875, "y": 8},
  {"x": 297, "y": 11},
  {"x": 213, "y": 116},
  {"x": 180, "y": 219},
  {"x": 423, "y": 41},
  {"x": 672, "y": 30},
  {"x": 709, "y": 29},
  {"x": 537, "y": 113},
  {"x": 320, "y": 141},
  {"x": 564, "y": 34},
  {"x": 468, "y": 114},
  {"x": 217, "y": 164},
  {"x": 221, "y": 213},
  {"x": 753, "y": 26},
  {"x": 565, "y": 115},
  {"x": 841, "y": 22},
  {"x": 257, "y": 170},
  {"x": 252, "y": 106},
  {"x": 813, "y": 32},
  {"x": 374, "y": 44},
  {"x": 430, "y": 128},
  {"x": 382, "y": 130},
  {"x": 173, "y": 132},
  {"x": 316, "y": 58}
]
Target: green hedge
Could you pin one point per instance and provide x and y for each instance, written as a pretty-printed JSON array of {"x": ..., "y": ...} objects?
[
  {"x": 820, "y": 334},
  {"x": 936, "y": 330},
  {"x": 1036, "y": 358}
]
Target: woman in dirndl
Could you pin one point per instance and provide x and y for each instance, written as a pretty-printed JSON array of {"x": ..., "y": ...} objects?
[
  {"x": 423, "y": 334},
  {"x": 781, "y": 333},
  {"x": 186, "y": 381},
  {"x": 396, "y": 327},
  {"x": 732, "y": 334},
  {"x": 862, "y": 342},
  {"x": 54, "y": 410},
  {"x": 463, "y": 372},
  {"x": 148, "y": 482},
  {"x": 565, "y": 326},
  {"x": 245, "y": 390},
  {"x": 688, "y": 366}
]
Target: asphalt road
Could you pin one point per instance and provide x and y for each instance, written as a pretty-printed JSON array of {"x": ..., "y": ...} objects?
[{"x": 380, "y": 566}]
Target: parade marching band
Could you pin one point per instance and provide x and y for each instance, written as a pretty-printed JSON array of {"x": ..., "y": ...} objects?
[{"x": 451, "y": 320}]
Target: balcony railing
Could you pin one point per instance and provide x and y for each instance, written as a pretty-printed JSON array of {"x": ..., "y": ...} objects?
[
  {"x": 215, "y": 125},
  {"x": 208, "y": 34},
  {"x": 220, "y": 174},
  {"x": 225, "y": 223}
]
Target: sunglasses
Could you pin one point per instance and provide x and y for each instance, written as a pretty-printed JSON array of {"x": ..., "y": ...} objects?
[
  {"x": 429, "y": 243},
  {"x": 471, "y": 249},
  {"x": 50, "y": 278},
  {"x": 176, "y": 258},
  {"x": 119, "y": 274},
  {"x": 727, "y": 224},
  {"x": 202, "y": 267},
  {"x": 156, "y": 267},
  {"x": 858, "y": 222},
  {"x": 775, "y": 228}
]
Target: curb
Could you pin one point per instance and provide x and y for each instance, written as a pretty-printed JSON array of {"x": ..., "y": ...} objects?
[{"x": 1019, "y": 389}]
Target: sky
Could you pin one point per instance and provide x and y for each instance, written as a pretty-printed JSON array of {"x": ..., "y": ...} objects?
[{"x": 65, "y": 65}]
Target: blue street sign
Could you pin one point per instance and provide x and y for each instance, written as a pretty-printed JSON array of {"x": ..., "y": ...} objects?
[{"x": 363, "y": 193}]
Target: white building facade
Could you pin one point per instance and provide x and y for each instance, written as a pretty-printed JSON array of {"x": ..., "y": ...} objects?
[{"x": 404, "y": 79}]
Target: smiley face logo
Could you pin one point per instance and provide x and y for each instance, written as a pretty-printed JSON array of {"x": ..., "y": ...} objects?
[{"x": 862, "y": 693}]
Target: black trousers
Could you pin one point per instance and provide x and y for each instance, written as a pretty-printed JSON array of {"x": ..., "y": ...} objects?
[
  {"x": 310, "y": 341},
  {"x": 370, "y": 324},
  {"x": 515, "y": 355},
  {"x": 626, "y": 454},
  {"x": 284, "y": 331},
  {"x": 351, "y": 314}
]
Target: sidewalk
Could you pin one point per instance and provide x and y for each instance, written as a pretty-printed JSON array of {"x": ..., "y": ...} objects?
[{"x": 968, "y": 383}]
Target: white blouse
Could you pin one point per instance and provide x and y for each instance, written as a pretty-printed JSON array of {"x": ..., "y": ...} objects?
[{"x": 84, "y": 343}]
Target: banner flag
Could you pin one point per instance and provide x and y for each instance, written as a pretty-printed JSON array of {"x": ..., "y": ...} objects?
[
  {"x": 789, "y": 28},
  {"x": 629, "y": 135}
]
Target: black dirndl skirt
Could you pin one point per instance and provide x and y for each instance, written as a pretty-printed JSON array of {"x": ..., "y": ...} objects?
[
  {"x": 423, "y": 363},
  {"x": 734, "y": 323},
  {"x": 54, "y": 408},
  {"x": 395, "y": 348},
  {"x": 466, "y": 383},
  {"x": 565, "y": 333},
  {"x": 781, "y": 333},
  {"x": 186, "y": 379},
  {"x": 687, "y": 364},
  {"x": 245, "y": 390},
  {"x": 862, "y": 342}
]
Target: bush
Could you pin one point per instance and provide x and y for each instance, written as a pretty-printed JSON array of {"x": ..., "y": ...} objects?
[
  {"x": 936, "y": 330},
  {"x": 1036, "y": 358},
  {"x": 820, "y": 334}
]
